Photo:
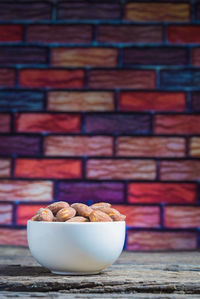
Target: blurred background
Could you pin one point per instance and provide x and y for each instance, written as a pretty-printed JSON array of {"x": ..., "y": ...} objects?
[{"x": 100, "y": 101}]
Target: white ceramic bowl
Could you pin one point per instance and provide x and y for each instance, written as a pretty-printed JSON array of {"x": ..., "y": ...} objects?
[{"x": 76, "y": 248}]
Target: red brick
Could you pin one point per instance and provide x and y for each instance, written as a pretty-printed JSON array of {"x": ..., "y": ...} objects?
[
  {"x": 196, "y": 56},
  {"x": 13, "y": 237},
  {"x": 26, "y": 190},
  {"x": 161, "y": 241},
  {"x": 194, "y": 147},
  {"x": 81, "y": 57},
  {"x": 51, "y": 78},
  {"x": 183, "y": 34},
  {"x": 139, "y": 216},
  {"x": 157, "y": 101},
  {"x": 180, "y": 170},
  {"x": 59, "y": 33},
  {"x": 150, "y": 147},
  {"x": 121, "y": 169},
  {"x": 195, "y": 101},
  {"x": 6, "y": 211},
  {"x": 162, "y": 193},
  {"x": 152, "y": 11},
  {"x": 122, "y": 79},
  {"x": 129, "y": 34},
  {"x": 177, "y": 124},
  {"x": 47, "y": 122},
  {"x": 48, "y": 168},
  {"x": 25, "y": 212},
  {"x": 5, "y": 120},
  {"x": 11, "y": 33},
  {"x": 7, "y": 78},
  {"x": 5, "y": 168},
  {"x": 182, "y": 217}
]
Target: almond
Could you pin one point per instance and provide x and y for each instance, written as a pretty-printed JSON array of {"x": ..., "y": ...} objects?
[
  {"x": 57, "y": 206},
  {"x": 113, "y": 213},
  {"x": 99, "y": 216},
  {"x": 78, "y": 219},
  {"x": 99, "y": 205},
  {"x": 65, "y": 214},
  {"x": 45, "y": 215},
  {"x": 82, "y": 209}
]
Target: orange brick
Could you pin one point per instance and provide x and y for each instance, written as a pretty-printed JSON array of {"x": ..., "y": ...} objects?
[
  {"x": 150, "y": 146},
  {"x": 182, "y": 217},
  {"x": 25, "y": 212},
  {"x": 102, "y": 57},
  {"x": 161, "y": 241},
  {"x": 139, "y": 216},
  {"x": 78, "y": 146},
  {"x": 26, "y": 190},
  {"x": 48, "y": 168},
  {"x": 162, "y": 193},
  {"x": 80, "y": 101},
  {"x": 194, "y": 147},
  {"x": 47, "y": 122},
  {"x": 157, "y": 101},
  {"x": 196, "y": 56},
  {"x": 51, "y": 78},
  {"x": 180, "y": 170},
  {"x": 7, "y": 77},
  {"x": 144, "y": 12},
  {"x": 5, "y": 168},
  {"x": 6, "y": 211},
  {"x": 177, "y": 124},
  {"x": 5, "y": 123},
  {"x": 121, "y": 169},
  {"x": 13, "y": 237}
]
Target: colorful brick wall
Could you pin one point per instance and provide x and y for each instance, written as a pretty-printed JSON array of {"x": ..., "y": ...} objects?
[{"x": 100, "y": 100}]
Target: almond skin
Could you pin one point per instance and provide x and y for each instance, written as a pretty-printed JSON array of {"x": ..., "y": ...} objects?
[
  {"x": 78, "y": 219},
  {"x": 99, "y": 216},
  {"x": 82, "y": 209},
  {"x": 65, "y": 214},
  {"x": 113, "y": 213},
  {"x": 57, "y": 206},
  {"x": 99, "y": 205},
  {"x": 45, "y": 215}
]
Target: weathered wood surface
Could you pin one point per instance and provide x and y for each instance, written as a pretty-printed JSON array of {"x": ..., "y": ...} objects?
[{"x": 172, "y": 275}]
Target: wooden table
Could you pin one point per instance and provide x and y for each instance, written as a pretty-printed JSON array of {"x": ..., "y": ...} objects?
[{"x": 135, "y": 275}]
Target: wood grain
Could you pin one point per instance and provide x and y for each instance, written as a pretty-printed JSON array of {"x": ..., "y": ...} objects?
[
  {"x": 5, "y": 168},
  {"x": 182, "y": 217}
]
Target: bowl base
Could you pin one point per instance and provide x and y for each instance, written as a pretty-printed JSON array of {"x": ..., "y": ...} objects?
[{"x": 75, "y": 273}]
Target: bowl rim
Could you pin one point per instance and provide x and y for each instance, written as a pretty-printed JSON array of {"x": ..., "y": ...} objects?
[{"x": 75, "y": 223}]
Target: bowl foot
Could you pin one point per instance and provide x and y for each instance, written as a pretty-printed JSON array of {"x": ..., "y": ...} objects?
[{"x": 75, "y": 273}]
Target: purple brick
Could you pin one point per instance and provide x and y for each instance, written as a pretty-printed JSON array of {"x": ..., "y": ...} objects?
[
  {"x": 195, "y": 101},
  {"x": 19, "y": 145},
  {"x": 94, "y": 192},
  {"x": 155, "y": 56},
  {"x": 119, "y": 123}
]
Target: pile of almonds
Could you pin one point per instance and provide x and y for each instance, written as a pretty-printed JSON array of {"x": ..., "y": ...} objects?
[{"x": 78, "y": 212}]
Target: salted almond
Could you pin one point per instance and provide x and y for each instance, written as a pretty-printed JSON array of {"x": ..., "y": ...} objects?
[
  {"x": 45, "y": 215},
  {"x": 78, "y": 219},
  {"x": 99, "y": 205},
  {"x": 99, "y": 216},
  {"x": 57, "y": 206},
  {"x": 82, "y": 209},
  {"x": 113, "y": 213},
  {"x": 65, "y": 214},
  {"x": 40, "y": 210},
  {"x": 35, "y": 218}
]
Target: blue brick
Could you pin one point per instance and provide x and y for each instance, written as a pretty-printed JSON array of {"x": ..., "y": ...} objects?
[{"x": 174, "y": 79}]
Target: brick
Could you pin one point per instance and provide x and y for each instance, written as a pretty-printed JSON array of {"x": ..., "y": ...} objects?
[
  {"x": 59, "y": 33},
  {"x": 187, "y": 34},
  {"x": 90, "y": 191},
  {"x": 13, "y": 237},
  {"x": 47, "y": 122},
  {"x": 21, "y": 100},
  {"x": 197, "y": 10},
  {"x": 7, "y": 78},
  {"x": 6, "y": 214},
  {"x": 78, "y": 57},
  {"x": 121, "y": 169},
  {"x": 182, "y": 217},
  {"x": 129, "y": 34},
  {"x": 150, "y": 147},
  {"x": 195, "y": 101},
  {"x": 28, "y": 11},
  {"x": 158, "y": 12},
  {"x": 161, "y": 240},
  {"x": 138, "y": 216},
  {"x": 5, "y": 120},
  {"x": 19, "y": 145},
  {"x": 177, "y": 124},
  {"x": 48, "y": 168},
  {"x": 5, "y": 168},
  {"x": 122, "y": 79},
  {"x": 178, "y": 193},
  {"x": 154, "y": 56},
  {"x": 180, "y": 170},
  {"x": 22, "y": 55},
  {"x": 84, "y": 10},
  {"x": 194, "y": 147},
  {"x": 11, "y": 33},
  {"x": 25, "y": 212},
  {"x": 117, "y": 123},
  {"x": 157, "y": 101},
  {"x": 80, "y": 101},
  {"x": 78, "y": 146},
  {"x": 175, "y": 79},
  {"x": 26, "y": 190},
  {"x": 196, "y": 56},
  {"x": 51, "y": 78}
]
